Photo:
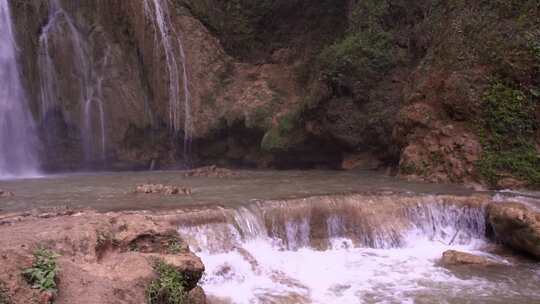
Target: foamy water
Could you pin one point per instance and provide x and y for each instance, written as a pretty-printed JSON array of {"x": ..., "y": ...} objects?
[
  {"x": 260, "y": 272},
  {"x": 244, "y": 265}
]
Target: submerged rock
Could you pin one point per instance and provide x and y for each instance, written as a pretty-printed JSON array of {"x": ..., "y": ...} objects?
[
  {"x": 516, "y": 226},
  {"x": 454, "y": 257},
  {"x": 165, "y": 189},
  {"x": 4, "y": 193}
]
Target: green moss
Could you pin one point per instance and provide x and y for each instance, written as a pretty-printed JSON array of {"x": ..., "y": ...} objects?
[
  {"x": 407, "y": 168},
  {"x": 42, "y": 274},
  {"x": 507, "y": 133},
  {"x": 169, "y": 287},
  {"x": 285, "y": 135},
  {"x": 260, "y": 118}
]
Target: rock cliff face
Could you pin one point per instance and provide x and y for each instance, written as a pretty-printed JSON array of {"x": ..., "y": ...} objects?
[{"x": 440, "y": 91}]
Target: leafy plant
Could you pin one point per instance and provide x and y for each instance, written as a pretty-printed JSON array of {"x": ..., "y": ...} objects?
[
  {"x": 169, "y": 287},
  {"x": 42, "y": 274},
  {"x": 4, "y": 298}
]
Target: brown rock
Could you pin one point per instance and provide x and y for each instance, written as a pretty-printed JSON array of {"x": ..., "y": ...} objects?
[
  {"x": 46, "y": 297},
  {"x": 4, "y": 193},
  {"x": 197, "y": 296},
  {"x": 516, "y": 226},
  {"x": 365, "y": 161},
  {"x": 511, "y": 183},
  {"x": 453, "y": 258}
]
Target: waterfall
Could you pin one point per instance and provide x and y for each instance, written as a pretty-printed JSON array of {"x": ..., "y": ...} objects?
[
  {"x": 89, "y": 80},
  {"x": 17, "y": 129},
  {"x": 350, "y": 249},
  {"x": 171, "y": 42},
  {"x": 303, "y": 225}
]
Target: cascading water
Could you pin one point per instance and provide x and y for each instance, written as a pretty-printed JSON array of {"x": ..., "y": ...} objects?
[
  {"x": 90, "y": 82},
  {"x": 171, "y": 42},
  {"x": 17, "y": 130},
  {"x": 298, "y": 254}
]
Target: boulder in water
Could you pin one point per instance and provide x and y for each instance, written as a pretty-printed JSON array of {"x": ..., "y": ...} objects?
[
  {"x": 4, "y": 193},
  {"x": 516, "y": 226},
  {"x": 165, "y": 189},
  {"x": 454, "y": 258}
]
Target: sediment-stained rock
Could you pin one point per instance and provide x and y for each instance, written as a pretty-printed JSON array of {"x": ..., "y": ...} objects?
[
  {"x": 4, "y": 193},
  {"x": 516, "y": 226},
  {"x": 454, "y": 258},
  {"x": 164, "y": 189}
]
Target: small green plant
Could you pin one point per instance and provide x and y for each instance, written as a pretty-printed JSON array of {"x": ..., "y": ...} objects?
[
  {"x": 42, "y": 274},
  {"x": 174, "y": 247},
  {"x": 4, "y": 298},
  {"x": 169, "y": 287}
]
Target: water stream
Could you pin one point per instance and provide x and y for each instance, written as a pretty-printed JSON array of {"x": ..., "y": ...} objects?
[
  {"x": 258, "y": 254},
  {"x": 61, "y": 26},
  {"x": 18, "y": 140},
  {"x": 170, "y": 40}
]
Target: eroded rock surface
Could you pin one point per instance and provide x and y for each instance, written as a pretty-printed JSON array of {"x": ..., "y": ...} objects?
[
  {"x": 104, "y": 258},
  {"x": 517, "y": 226}
]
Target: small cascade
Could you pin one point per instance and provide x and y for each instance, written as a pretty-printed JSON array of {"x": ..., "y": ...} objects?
[
  {"x": 90, "y": 80},
  {"x": 296, "y": 226},
  {"x": 17, "y": 130},
  {"x": 170, "y": 41},
  {"x": 324, "y": 250}
]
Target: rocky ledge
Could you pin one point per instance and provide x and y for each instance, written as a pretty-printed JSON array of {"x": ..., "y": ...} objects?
[
  {"x": 100, "y": 258},
  {"x": 517, "y": 226}
]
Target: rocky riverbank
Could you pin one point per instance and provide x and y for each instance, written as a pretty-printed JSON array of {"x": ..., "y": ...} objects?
[{"x": 101, "y": 258}]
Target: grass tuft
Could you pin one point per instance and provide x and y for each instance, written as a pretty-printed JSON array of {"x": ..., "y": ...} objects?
[{"x": 169, "y": 287}]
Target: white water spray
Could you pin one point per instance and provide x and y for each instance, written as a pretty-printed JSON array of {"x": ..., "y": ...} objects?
[
  {"x": 259, "y": 255},
  {"x": 171, "y": 42},
  {"x": 17, "y": 129}
]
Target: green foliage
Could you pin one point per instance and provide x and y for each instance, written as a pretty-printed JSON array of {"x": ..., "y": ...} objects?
[
  {"x": 507, "y": 134},
  {"x": 4, "y": 298},
  {"x": 508, "y": 111},
  {"x": 42, "y": 274},
  {"x": 358, "y": 57},
  {"x": 285, "y": 134},
  {"x": 174, "y": 246},
  {"x": 358, "y": 61},
  {"x": 522, "y": 161},
  {"x": 169, "y": 287}
]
